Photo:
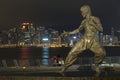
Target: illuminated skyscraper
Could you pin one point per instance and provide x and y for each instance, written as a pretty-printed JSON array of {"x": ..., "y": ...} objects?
[
  {"x": 55, "y": 37},
  {"x": 112, "y": 33},
  {"x": 28, "y": 31}
]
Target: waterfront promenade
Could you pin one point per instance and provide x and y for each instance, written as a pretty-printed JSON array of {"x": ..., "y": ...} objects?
[{"x": 52, "y": 73}]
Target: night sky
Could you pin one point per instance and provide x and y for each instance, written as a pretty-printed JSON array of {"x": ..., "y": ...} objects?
[{"x": 57, "y": 14}]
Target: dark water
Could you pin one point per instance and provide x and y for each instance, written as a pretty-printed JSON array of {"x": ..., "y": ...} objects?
[
  {"x": 44, "y": 54},
  {"x": 39, "y": 52},
  {"x": 25, "y": 56},
  {"x": 30, "y": 56},
  {"x": 32, "y": 52}
]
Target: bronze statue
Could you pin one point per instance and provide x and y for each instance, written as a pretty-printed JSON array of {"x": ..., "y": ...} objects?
[{"x": 92, "y": 26}]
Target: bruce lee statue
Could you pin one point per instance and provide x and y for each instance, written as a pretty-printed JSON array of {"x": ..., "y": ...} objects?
[{"x": 89, "y": 40}]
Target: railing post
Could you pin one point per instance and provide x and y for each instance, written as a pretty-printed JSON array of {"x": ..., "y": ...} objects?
[
  {"x": 15, "y": 63},
  {"x": 4, "y": 63}
]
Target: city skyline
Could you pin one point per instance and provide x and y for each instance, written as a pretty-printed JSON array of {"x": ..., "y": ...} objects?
[{"x": 58, "y": 14}]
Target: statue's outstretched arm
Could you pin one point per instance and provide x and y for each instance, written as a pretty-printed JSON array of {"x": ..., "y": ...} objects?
[
  {"x": 78, "y": 29},
  {"x": 75, "y": 31},
  {"x": 72, "y": 32}
]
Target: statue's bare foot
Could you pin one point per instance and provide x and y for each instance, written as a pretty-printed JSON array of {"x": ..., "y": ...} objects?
[{"x": 62, "y": 72}]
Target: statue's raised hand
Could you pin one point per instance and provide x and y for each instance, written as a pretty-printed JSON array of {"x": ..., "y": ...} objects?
[{"x": 64, "y": 34}]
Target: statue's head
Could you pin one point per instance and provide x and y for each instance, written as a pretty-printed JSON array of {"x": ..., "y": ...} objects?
[{"x": 85, "y": 10}]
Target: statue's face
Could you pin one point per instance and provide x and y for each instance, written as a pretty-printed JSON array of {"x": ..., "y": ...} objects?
[{"x": 85, "y": 10}]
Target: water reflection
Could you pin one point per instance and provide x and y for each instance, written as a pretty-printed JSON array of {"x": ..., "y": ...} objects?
[
  {"x": 45, "y": 56},
  {"x": 24, "y": 57}
]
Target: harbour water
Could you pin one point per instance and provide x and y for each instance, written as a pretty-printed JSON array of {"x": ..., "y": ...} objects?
[
  {"x": 39, "y": 52},
  {"x": 26, "y": 56}
]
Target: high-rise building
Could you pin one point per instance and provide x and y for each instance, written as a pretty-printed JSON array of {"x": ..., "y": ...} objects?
[
  {"x": 112, "y": 33},
  {"x": 55, "y": 37},
  {"x": 27, "y": 32}
]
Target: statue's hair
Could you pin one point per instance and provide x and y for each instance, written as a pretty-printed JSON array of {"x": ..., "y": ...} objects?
[{"x": 86, "y": 7}]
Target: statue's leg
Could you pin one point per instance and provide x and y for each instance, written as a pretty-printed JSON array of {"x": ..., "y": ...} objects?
[
  {"x": 73, "y": 54},
  {"x": 99, "y": 55}
]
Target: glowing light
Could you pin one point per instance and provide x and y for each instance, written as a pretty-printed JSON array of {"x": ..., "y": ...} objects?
[
  {"x": 25, "y": 23},
  {"x": 74, "y": 37},
  {"x": 45, "y": 39},
  {"x": 23, "y": 27}
]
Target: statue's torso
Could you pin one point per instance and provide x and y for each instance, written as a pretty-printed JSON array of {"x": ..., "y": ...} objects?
[{"x": 89, "y": 26}]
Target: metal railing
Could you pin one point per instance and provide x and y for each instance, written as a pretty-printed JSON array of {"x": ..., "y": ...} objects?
[{"x": 108, "y": 61}]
